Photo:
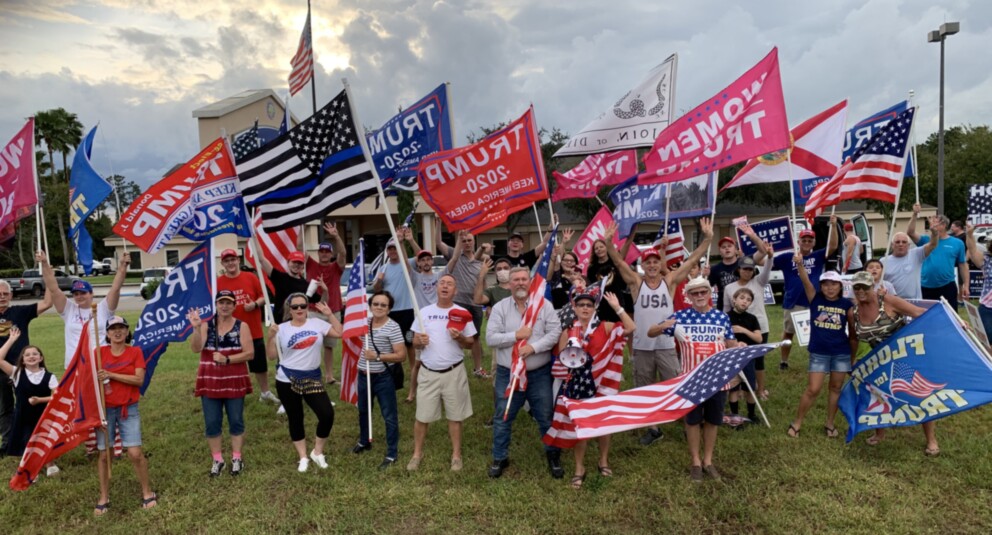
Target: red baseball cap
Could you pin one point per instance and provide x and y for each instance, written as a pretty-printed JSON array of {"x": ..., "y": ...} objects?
[
  {"x": 458, "y": 318},
  {"x": 649, "y": 252},
  {"x": 296, "y": 256},
  {"x": 807, "y": 233},
  {"x": 727, "y": 239},
  {"x": 228, "y": 252}
]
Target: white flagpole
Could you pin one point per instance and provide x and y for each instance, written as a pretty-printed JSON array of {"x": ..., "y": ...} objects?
[
  {"x": 792, "y": 203},
  {"x": 916, "y": 170},
  {"x": 713, "y": 184},
  {"x": 382, "y": 196},
  {"x": 537, "y": 220},
  {"x": 544, "y": 175},
  {"x": 668, "y": 202},
  {"x": 113, "y": 182},
  {"x": 756, "y": 402},
  {"x": 830, "y": 232}
]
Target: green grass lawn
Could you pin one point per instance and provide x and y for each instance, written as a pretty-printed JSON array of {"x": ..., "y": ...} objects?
[{"x": 773, "y": 484}]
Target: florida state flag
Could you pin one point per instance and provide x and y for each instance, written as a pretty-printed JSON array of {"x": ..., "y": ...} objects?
[
  {"x": 476, "y": 187},
  {"x": 74, "y": 410}
]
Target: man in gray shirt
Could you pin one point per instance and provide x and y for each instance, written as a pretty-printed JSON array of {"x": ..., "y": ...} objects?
[
  {"x": 904, "y": 265},
  {"x": 504, "y": 330}
]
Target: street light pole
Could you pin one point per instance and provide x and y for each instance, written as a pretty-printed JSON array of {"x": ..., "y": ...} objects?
[{"x": 940, "y": 35}]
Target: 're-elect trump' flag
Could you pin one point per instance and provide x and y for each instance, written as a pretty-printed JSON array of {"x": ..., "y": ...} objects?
[{"x": 929, "y": 369}]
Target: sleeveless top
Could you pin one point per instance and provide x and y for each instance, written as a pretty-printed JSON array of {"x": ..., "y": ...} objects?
[
  {"x": 26, "y": 415},
  {"x": 856, "y": 259},
  {"x": 218, "y": 380},
  {"x": 653, "y": 306},
  {"x": 879, "y": 330}
]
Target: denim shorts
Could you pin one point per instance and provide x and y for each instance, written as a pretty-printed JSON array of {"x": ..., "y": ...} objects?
[
  {"x": 129, "y": 428},
  {"x": 820, "y": 363}
]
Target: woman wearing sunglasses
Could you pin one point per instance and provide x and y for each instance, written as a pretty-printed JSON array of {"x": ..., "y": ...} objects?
[
  {"x": 384, "y": 344},
  {"x": 297, "y": 344}
]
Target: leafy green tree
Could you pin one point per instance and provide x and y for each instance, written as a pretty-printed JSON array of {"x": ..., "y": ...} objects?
[
  {"x": 127, "y": 190},
  {"x": 61, "y": 132}
]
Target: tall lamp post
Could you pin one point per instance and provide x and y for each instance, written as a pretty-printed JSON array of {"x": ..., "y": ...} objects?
[{"x": 938, "y": 36}]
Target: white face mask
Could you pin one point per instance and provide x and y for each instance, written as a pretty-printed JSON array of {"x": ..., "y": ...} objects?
[{"x": 503, "y": 276}]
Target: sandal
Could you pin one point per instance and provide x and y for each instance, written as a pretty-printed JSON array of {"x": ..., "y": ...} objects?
[
  {"x": 148, "y": 503},
  {"x": 576, "y": 481},
  {"x": 873, "y": 440},
  {"x": 605, "y": 471},
  {"x": 831, "y": 432},
  {"x": 101, "y": 509},
  {"x": 931, "y": 452},
  {"x": 792, "y": 431}
]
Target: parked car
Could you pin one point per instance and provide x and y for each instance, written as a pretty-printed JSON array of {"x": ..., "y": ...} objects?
[
  {"x": 150, "y": 279},
  {"x": 31, "y": 282},
  {"x": 99, "y": 267}
]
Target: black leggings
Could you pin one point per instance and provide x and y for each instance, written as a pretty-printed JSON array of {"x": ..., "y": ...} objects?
[{"x": 319, "y": 403}]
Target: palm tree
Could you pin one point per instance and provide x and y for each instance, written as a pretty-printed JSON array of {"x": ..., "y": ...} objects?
[{"x": 62, "y": 132}]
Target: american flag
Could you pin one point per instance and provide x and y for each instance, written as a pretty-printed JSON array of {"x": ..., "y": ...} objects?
[
  {"x": 874, "y": 172},
  {"x": 246, "y": 143},
  {"x": 316, "y": 167},
  {"x": 303, "y": 61},
  {"x": 356, "y": 313},
  {"x": 535, "y": 300},
  {"x": 662, "y": 402},
  {"x": 275, "y": 246},
  {"x": 607, "y": 372},
  {"x": 906, "y": 379},
  {"x": 675, "y": 250}
]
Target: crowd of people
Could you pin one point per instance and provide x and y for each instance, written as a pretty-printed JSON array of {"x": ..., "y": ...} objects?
[{"x": 672, "y": 314}]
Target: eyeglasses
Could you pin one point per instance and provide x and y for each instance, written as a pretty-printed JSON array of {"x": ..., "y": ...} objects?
[
  {"x": 861, "y": 288},
  {"x": 5, "y": 294},
  {"x": 298, "y": 307},
  {"x": 582, "y": 305},
  {"x": 380, "y": 305},
  {"x": 698, "y": 293}
]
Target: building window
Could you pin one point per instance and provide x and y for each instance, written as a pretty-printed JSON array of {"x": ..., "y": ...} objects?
[
  {"x": 135, "y": 260},
  {"x": 171, "y": 257}
]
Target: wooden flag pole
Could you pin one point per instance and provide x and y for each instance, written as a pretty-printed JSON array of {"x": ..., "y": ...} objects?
[{"x": 108, "y": 445}]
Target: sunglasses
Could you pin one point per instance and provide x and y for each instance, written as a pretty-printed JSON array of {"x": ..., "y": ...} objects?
[
  {"x": 583, "y": 304},
  {"x": 298, "y": 307},
  {"x": 698, "y": 293},
  {"x": 380, "y": 305}
]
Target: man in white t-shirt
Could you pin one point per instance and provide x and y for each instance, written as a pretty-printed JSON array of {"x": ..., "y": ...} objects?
[
  {"x": 77, "y": 311},
  {"x": 442, "y": 381},
  {"x": 904, "y": 265}
]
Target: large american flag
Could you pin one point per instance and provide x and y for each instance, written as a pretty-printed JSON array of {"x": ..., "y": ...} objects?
[
  {"x": 316, "y": 167},
  {"x": 275, "y": 247},
  {"x": 675, "y": 250},
  {"x": 662, "y": 402},
  {"x": 535, "y": 300},
  {"x": 906, "y": 379},
  {"x": 356, "y": 313},
  {"x": 302, "y": 62},
  {"x": 874, "y": 172}
]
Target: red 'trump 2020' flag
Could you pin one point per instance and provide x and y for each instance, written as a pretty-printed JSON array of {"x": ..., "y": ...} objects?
[
  {"x": 584, "y": 180},
  {"x": 745, "y": 119}
]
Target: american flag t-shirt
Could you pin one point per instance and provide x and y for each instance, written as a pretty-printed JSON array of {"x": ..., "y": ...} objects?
[{"x": 700, "y": 335}]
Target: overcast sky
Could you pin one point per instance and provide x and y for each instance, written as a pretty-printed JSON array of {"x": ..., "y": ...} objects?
[{"x": 140, "y": 67}]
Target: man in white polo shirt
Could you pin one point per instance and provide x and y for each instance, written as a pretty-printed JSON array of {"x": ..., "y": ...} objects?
[{"x": 442, "y": 381}]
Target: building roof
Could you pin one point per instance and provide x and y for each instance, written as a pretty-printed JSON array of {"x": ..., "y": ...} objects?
[{"x": 234, "y": 102}]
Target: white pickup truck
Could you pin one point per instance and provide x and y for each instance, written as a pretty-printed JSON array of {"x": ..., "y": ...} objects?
[{"x": 820, "y": 225}]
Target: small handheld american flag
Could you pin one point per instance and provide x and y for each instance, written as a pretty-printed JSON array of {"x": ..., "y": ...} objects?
[{"x": 355, "y": 327}]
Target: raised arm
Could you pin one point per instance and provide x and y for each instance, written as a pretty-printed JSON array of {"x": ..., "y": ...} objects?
[
  {"x": 627, "y": 273},
  {"x": 832, "y": 242},
  {"x": 797, "y": 259},
  {"x": 974, "y": 254},
  {"x": 336, "y": 328},
  {"x": 759, "y": 244},
  {"x": 628, "y": 322},
  {"x": 478, "y": 294},
  {"x": 442, "y": 247},
  {"x": 332, "y": 230},
  {"x": 114, "y": 295},
  {"x": 45, "y": 303},
  {"x": 680, "y": 274},
  {"x": 6, "y": 367},
  {"x": 911, "y": 228},
  {"x": 199, "y": 333},
  {"x": 51, "y": 284},
  {"x": 539, "y": 250},
  {"x": 456, "y": 252}
]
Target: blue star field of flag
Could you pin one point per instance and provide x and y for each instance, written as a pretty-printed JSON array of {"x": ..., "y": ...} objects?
[
  {"x": 891, "y": 140},
  {"x": 246, "y": 143},
  {"x": 328, "y": 132},
  {"x": 718, "y": 370}
]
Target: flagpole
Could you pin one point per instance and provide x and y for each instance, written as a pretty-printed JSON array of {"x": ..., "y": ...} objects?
[
  {"x": 313, "y": 71},
  {"x": 713, "y": 184},
  {"x": 544, "y": 174},
  {"x": 537, "y": 220},
  {"x": 668, "y": 201},
  {"x": 39, "y": 215},
  {"x": 100, "y": 387},
  {"x": 368, "y": 381},
  {"x": 113, "y": 183},
  {"x": 916, "y": 170},
  {"x": 830, "y": 232},
  {"x": 755, "y": 397},
  {"x": 792, "y": 203},
  {"x": 382, "y": 196}
]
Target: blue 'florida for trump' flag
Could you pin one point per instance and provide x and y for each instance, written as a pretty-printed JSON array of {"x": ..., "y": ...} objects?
[
  {"x": 929, "y": 369},
  {"x": 190, "y": 285},
  {"x": 87, "y": 190}
]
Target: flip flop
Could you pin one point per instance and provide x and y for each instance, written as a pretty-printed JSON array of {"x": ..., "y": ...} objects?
[
  {"x": 576, "y": 481},
  {"x": 931, "y": 452},
  {"x": 792, "y": 432},
  {"x": 605, "y": 471},
  {"x": 147, "y": 503},
  {"x": 831, "y": 432},
  {"x": 873, "y": 440},
  {"x": 101, "y": 509}
]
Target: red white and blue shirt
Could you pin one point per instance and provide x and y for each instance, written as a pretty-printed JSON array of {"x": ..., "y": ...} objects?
[
  {"x": 302, "y": 347},
  {"x": 700, "y": 335}
]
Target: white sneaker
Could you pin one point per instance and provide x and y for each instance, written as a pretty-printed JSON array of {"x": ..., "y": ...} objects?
[
  {"x": 268, "y": 396},
  {"x": 319, "y": 460},
  {"x": 282, "y": 410},
  {"x": 304, "y": 464},
  {"x": 52, "y": 470}
]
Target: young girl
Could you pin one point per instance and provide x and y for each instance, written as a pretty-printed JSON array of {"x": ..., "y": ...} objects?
[
  {"x": 33, "y": 385},
  {"x": 832, "y": 344},
  {"x": 747, "y": 331}
]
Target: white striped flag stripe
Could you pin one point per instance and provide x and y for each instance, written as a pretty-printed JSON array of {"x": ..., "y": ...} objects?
[
  {"x": 355, "y": 327},
  {"x": 535, "y": 300},
  {"x": 351, "y": 348}
]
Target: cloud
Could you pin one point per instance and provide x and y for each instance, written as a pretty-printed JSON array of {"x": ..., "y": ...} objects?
[{"x": 39, "y": 10}]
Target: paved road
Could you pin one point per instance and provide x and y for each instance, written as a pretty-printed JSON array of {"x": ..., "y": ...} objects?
[{"x": 130, "y": 300}]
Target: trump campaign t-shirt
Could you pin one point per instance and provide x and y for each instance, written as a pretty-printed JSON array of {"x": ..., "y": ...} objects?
[
  {"x": 302, "y": 347},
  {"x": 795, "y": 294},
  {"x": 828, "y": 326},
  {"x": 700, "y": 335}
]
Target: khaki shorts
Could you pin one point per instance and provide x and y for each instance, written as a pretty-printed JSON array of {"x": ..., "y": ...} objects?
[
  {"x": 651, "y": 364},
  {"x": 448, "y": 390},
  {"x": 787, "y": 326}
]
